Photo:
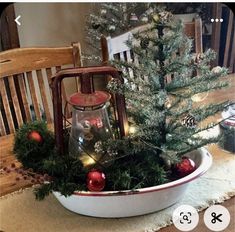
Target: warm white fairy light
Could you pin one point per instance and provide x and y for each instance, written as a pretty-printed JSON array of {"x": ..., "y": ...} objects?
[
  {"x": 87, "y": 160},
  {"x": 132, "y": 129},
  {"x": 168, "y": 105}
]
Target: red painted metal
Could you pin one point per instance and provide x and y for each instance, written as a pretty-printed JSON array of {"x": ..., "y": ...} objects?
[
  {"x": 89, "y": 100},
  {"x": 85, "y": 74}
]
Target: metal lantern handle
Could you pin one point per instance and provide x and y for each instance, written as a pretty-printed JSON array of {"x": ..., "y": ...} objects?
[{"x": 85, "y": 74}]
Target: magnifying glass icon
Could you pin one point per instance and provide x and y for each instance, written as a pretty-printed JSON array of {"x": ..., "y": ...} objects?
[{"x": 185, "y": 217}]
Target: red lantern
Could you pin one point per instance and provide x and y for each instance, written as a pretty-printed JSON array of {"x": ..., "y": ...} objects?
[{"x": 90, "y": 121}]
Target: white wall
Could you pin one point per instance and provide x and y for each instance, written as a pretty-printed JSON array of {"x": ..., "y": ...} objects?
[{"x": 52, "y": 24}]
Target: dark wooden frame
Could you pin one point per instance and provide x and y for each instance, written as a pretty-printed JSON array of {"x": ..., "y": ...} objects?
[
  {"x": 8, "y": 29},
  {"x": 229, "y": 47}
]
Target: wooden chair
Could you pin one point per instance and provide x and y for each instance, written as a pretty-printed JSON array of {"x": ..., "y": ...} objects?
[
  {"x": 116, "y": 47},
  {"x": 25, "y": 76},
  {"x": 223, "y": 36},
  {"x": 229, "y": 51}
]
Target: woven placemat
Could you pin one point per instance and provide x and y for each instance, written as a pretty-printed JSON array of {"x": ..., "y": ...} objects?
[{"x": 20, "y": 212}]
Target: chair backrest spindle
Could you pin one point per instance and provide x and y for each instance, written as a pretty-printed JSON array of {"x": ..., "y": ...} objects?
[{"x": 25, "y": 77}]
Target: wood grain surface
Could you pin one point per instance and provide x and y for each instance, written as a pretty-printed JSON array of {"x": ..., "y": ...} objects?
[{"x": 33, "y": 59}]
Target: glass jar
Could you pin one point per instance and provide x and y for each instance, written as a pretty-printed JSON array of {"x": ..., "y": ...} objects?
[{"x": 89, "y": 125}]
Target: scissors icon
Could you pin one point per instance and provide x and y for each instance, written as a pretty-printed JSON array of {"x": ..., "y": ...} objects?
[{"x": 215, "y": 217}]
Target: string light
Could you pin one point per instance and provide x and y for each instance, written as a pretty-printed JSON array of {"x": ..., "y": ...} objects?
[
  {"x": 168, "y": 105},
  {"x": 87, "y": 161},
  {"x": 132, "y": 129}
]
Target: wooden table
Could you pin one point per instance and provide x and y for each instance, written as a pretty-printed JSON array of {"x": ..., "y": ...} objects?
[{"x": 9, "y": 184}]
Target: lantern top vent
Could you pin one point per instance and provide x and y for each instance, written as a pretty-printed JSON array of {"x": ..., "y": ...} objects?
[
  {"x": 88, "y": 97},
  {"x": 93, "y": 100}
]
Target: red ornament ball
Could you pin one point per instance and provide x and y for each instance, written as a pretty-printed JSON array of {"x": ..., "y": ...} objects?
[
  {"x": 184, "y": 167},
  {"x": 35, "y": 136},
  {"x": 95, "y": 180}
]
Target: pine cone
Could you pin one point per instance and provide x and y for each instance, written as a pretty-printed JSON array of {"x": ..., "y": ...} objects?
[
  {"x": 216, "y": 69},
  {"x": 197, "y": 58},
  {"x": 144, "y": 43},
  {"x": 165, "y": 16},
  {"x": 95, "y": 26},
  {"x": 189, "y": 121}
]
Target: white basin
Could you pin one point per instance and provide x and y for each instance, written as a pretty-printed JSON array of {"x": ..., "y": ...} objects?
[{"x": 117, "y": 204}]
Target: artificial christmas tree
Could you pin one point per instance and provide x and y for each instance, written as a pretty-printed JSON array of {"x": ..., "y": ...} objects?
[
  {"x": 167, "y": 125},
  {"x": 114, "y": 19}
]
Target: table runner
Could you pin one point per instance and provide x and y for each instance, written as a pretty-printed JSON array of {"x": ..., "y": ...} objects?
[{"x": 21, "y": 212}]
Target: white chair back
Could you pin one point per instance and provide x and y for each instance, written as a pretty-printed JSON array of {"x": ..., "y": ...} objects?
[{"x": 117, "y": 45}]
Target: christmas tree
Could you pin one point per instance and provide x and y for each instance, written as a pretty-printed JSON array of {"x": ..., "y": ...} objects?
[
  {"x": 167, "y": 124},
  {"x": 114, "y": 19}
]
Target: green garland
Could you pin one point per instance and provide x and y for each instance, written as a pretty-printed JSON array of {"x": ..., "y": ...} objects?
[
  {"x": 67, "y": 172},
  {"x": 30, "y": 152},
  {"x": 68, "y": 175}
]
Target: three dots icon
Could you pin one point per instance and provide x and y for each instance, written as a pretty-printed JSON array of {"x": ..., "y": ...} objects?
[{"x": 217, "y": 20}]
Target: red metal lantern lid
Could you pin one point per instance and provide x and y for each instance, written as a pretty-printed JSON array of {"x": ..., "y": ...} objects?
[{"x": 89, "y": 100}]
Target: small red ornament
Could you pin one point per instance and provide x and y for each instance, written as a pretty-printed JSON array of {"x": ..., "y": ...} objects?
[
  {"x": 184, "y": 167},
  {"x": 96, "y": 122},
  {"x": 95, "y": 180},
  {"x": 35, "y": 136}
]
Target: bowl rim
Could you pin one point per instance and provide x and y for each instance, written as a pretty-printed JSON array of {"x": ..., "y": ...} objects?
[{"x": 205, "y": 164}]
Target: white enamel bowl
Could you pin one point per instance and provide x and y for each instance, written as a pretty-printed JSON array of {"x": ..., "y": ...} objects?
[{"x": 116, "y": 204}]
